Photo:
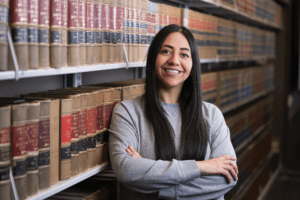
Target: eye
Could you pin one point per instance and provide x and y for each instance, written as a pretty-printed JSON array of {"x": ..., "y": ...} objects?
[
  {"x": 185, "y": 55},
  {"x": 165, "y": 51}
]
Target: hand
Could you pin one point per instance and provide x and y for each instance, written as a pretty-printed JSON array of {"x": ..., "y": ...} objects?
[
  {"x": 220, "y": 165},
  {"x": 133, "y": 152}
]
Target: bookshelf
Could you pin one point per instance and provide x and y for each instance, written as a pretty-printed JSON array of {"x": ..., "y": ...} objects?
[{"x": 208, "y": 6}]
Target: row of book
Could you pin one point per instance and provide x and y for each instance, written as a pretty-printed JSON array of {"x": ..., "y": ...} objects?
[
  {"x": 51, "y": 136},
  {"x": 267, "y": 11},
  {"x": 229, "y": 88},
  {"x": 57, "y": 34},
  {"x": 226, "y": 39},
  {"x": 252, "y": 162},
  {"x": 245, "y": 123}
]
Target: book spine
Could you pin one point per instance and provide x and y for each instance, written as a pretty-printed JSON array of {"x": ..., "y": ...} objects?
[
  {"x": 136, "y": 31},
  {"x": 89, "y": 32},
  {"x": 108, "y": 106},
  {"x": 75, "y": 135},
  {"x": 44, "y": 145},
  {"x": 97, "y": 32},
  {"x": 19, "y": 24},
  {"x": 73, "y": 33},
  {"x": 91, "y": 132},
  {"x": 105, "y": 12},
  {"x": 44, "y": 34},
  {"x": 82, "y": 31},
  {"x": 130, "y": 30},
  {"x": 4, "y": 13},
  {"x": 65, "y": 138},
  {"x": 64, "y": 31},
  {"x": 19, "y": 152},
  {"x": 112, "y": 30},
  {"x": 83, "y": 135},
  {"x": 54, "y": 141},
  {"x": 99, "y": 125},
  {"x": 143, "y": 30},
  {"x": 126, "y": 28},
  {"x": 33, "y": 122},
  {"x": 56, "y": 34},
  {"x": 33, "y": 33},
  {"x": 120, "y": 31},
  {"x": 5, "y": 143}
]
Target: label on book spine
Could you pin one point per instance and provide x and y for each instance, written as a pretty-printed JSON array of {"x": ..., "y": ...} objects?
[
  {"x": 44, "y": 13},
  {"x": 73, "y": 14},
  {"x": 3, "y": 14},
  {"x": 82, "y": 14},
  {"x": 56, "y": 37},
  {"x": 44, "y": 158},
  {"x": 19, "y": 168},
  {"x": 100, "y": 138},
  {"x": 75, "y": 147},
  {"x": 89, "y": 15},
  {"x": 89, "y": 37},
  {"x": 19, "y": 140},
  {"x": 20, "y": 35},
  {"x": 97, "y": 37},
  {"x": 44, "y": 134},
  {"x": 32, "y": 163},
  {"x": 66, "y": 125},
  {"x": 91, "y": 142},
  {"x": 73, "y": 37},
  {"x": 3, "y": 33},
  {"x": 82, "y": 37},
  {"x": 20, "y": 11},
  {"x": 83, "y": 121},
  {"x": 33, "y": 35},
  {"x": 105, "y": 12},
  {"x": 4, "y": 136},
  {"x": 33, "y": 12},
  {"x": 97, "y": 16},
  {"x": 82, "y": 144},
  {"x": 65, "y": 153},
  {"x": 64, "y": 13},
  {"x": 56, "y": 13},
  {"x": 33, "y": 137},
  {"x": 4, "y": 173},
  {"x": 107, "y": 110},
  {"x": 100, "y": 117},
  {"x": 4, "y": 2},
  {"x": 91, "y": 121},
  {"x": 75, "y": 125},
  {"x": 106, "y": 37},
  {"x": 44, "y": 36}
]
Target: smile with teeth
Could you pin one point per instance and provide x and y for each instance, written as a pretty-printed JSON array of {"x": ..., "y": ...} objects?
[{"x": 173, "y": 71}]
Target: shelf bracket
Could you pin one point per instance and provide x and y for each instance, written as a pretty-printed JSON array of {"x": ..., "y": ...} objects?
[
  {"x": 12, "y": 181},
  {"x": 126, "y": 57},
  {"x": 13, "y": 53}
]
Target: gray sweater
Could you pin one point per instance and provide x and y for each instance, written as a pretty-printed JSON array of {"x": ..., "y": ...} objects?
[{"x": 147, "y": 178}]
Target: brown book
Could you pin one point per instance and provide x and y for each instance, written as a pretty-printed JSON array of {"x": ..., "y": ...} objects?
[
  {"x": 120, "y": 56},
  {"x": 5, "y": 143},
  {"x": 105, "y": 12},
  {"x": 19, "y": 144},
  {"x": 97, "y": 32},
  {"x": 89, "y": 32},
  {"x": 112, "y": 29},
  {"x": 44, "y": 34},
  {"x": 82, "y": 31},
  {"x": 33, "y": 33},
  {"x": 4, "y": 10},
  {"x": 64, "y": 32}
]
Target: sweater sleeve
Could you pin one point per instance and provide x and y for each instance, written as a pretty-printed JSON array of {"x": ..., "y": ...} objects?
[
  {"x": 142, "y": 174},
  {"x": 211, "y": 186}
]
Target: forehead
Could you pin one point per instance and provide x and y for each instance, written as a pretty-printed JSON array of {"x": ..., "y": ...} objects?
[{"x": 177, "y": 39}]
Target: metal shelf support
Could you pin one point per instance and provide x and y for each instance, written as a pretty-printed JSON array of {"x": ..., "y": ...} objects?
[{"x": 13, "y": 53}]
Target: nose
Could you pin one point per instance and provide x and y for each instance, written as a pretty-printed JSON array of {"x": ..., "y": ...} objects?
[{"x": 174, "y": 60}]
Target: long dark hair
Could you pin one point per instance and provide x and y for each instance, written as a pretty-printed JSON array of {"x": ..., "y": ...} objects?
[{"x": 194, "y": 136}]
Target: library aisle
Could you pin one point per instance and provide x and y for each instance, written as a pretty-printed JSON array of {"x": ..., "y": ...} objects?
[{"x": 65, "y": 64}]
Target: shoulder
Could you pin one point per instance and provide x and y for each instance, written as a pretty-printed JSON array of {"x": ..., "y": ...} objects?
[
  {"x": 211, "y": 113},
  {"x": 131, "y": 106}
]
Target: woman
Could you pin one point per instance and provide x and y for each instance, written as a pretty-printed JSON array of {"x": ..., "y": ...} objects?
[{"x": 168, "y": 144}]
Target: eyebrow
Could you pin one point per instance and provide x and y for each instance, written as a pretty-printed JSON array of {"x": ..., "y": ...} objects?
[{"x": 187, "y": 49}]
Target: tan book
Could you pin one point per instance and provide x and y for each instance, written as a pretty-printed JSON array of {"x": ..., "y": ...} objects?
[
  {"x": 5, "y": 144},
  {"x": 90, "y": 47},
  {"x": 4, "y": 7},
  {"x": 105, "y": 31}
]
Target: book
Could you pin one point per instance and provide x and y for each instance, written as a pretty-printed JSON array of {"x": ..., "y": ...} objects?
[
  {"x": 64, "y": 32},
  {"x": 113, "y": 30},
  {"x": 44, "y": 34},
  {"x": 97, "y": 32},
  {"x": 56, "y": 34},
  {"x": 143, "y": 30},
  {"x": 19, "y": 25},
  {"x": 120, "y": 55},
  {"x": 89, "y": 32},
  {"x": 5, "y": 145},
  {"x": 82, "y": 31},
  {"x": 33, "y": 34},
  {"x": 4, "y": 13},
  {"x": 73, "y": 33}
]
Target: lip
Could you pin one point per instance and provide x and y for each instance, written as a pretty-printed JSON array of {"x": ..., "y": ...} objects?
[{"x": 165, "y": 69}]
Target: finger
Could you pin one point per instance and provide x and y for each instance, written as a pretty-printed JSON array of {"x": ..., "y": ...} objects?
[
  {"x": 230, "y": 158},
  {"x": 128, "y": 151},
  {"x": 233, "y": 166},
  {"x": 135, "y": 153},
  {"x": 227, "y": 175},
  {"x": 232, "y": 172}
]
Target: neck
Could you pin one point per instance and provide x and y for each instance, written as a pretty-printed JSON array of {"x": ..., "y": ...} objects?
[{"x": 170, "y": 96}]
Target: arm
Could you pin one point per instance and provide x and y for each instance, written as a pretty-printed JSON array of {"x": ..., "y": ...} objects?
[
  {"x": 208, "y": 186},
  {"x": 142, "y": 174}
]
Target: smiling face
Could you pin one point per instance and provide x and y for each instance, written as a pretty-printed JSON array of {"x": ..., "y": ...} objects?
[{"x": 174, "y": 62}]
